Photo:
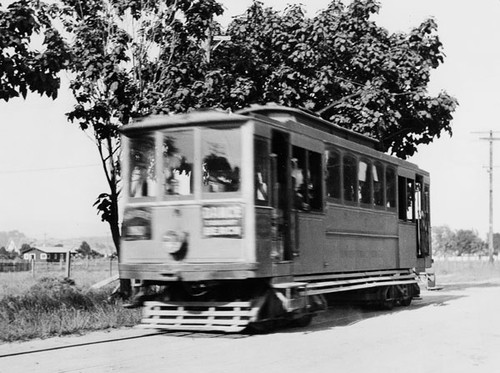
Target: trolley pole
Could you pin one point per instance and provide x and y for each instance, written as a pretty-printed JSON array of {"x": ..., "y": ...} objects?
[{"x": 490, "y": 139}]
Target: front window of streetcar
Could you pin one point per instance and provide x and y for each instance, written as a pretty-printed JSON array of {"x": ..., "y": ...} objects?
[
  {"x": 142, "y": 179},
  {"x": 178, "y": 160},
  {"x": 221, "y": 159}
]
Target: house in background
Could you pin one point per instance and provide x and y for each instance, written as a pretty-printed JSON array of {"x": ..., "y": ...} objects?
[{"x": 47, "y": 254}]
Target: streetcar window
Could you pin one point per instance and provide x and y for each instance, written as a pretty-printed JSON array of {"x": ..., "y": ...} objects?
[
  {"x": 364, "y": 182},
  {"x": 333, "y": 174},
  {"x": 402, "y": 197},
  {"x": 390, "y": 185},
  {"x": 350, "y": 176},
  {"x": 406, "y": 199},
  {"x": 142, "y": 179},
  {"x": 299, "y": 179},
  {"x": 178, "y": 156},
  {"x": 378, "y": 184},
  {"x": 315, "y": 190},
  {"x": 306, "y": 179},
  {"x": 221, "y": 155},
  {"x": 410, "y": 198},
  {"x": 261, "y": 156}
]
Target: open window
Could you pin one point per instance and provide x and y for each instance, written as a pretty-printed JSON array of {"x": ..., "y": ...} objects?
[
  {"x": 378, "y": 184},
  {"x": 406, "y": 190},
  {"x": 142, "y": 177},
  {"x": 178, "y": 160},
  {"x": 390, "y": 187},
  {"x": 261, "y": 171},
  {"x": 306, "y": 171},
  {"x": 350, "y": 167},
  {"x": 333, "y": 174},
  {"x": 364, "y": 182},
  {"x": 221, "y": 160}
]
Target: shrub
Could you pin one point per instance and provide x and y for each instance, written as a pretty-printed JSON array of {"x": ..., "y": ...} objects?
[{"x": 55, "y": 306}]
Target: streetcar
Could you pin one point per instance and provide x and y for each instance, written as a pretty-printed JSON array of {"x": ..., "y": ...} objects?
[{"x": 248, "y": 219}]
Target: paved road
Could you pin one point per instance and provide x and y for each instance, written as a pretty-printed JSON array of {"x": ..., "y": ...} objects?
[{"x": 454, "y": 330}]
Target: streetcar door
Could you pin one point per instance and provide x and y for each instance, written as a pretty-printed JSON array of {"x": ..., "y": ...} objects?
[
  {"x": 281, "y": 195},
  {"x": 422, "y": 217}
]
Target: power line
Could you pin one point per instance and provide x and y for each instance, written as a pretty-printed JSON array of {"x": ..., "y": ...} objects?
[{"x": 4, "y": 172}]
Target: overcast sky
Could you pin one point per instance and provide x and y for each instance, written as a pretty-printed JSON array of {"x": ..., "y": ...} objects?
[{"x": 50, "y": 173}]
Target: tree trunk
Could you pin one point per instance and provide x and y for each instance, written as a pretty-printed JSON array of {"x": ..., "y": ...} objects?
[{"x": 125, "y": 284}]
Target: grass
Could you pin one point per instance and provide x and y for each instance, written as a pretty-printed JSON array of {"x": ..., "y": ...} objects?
[
  {"x": 48, "y": 305},
  {"x": 449, "y": 271}
]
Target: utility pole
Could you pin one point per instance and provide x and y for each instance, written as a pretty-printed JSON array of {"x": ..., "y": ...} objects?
[{"x": 490, "y": 138}]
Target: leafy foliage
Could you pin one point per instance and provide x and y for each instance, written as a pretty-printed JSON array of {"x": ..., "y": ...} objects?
[
  {"x": 86, "y": 251},
  {"x": 6, "y": 254},
  {"x": 341, "y": 65},
  {"x": 460, "y": 242},
  {"x": 23, "y": 68}
]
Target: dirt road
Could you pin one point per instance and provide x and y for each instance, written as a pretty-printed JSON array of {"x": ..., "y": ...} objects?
[{"x": 454, "y": 330}]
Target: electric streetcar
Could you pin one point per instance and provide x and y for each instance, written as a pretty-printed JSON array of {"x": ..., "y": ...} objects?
[{"x": 247, "y": 219}]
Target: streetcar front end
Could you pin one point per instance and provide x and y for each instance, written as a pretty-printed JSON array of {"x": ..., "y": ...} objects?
[{"x": 188, "y": 185}]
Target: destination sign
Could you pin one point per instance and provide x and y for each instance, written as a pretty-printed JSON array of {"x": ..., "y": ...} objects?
[{"x": 222, "y": 221}]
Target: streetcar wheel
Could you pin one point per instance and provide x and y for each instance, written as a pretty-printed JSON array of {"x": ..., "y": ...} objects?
[
  {"x": 387, "y": 301},
  {"x": 405, "y": 301},
  {"x": 406, "y": 296}
]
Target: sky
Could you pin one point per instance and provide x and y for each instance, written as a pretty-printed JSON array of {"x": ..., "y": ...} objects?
[{"x": 50, "y": 173}]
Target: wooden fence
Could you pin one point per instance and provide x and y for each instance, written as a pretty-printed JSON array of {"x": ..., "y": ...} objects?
[
  {"x": 110, "y": 265},
  {"x": 14, "y": 266}
]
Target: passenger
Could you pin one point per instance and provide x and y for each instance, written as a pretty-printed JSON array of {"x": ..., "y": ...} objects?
[
  {"x": 299, "y": 187},
  {"x": 260, "y": 187}
]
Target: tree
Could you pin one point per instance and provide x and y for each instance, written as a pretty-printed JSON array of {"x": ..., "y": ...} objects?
[
  {"x": 6, "y": 254},
  {"x": 467, "y": 241},
  {"x": 25, "y": 247},
  {"x": 442, "y": 240},
  {"x": 456, "y": 242},
  {"x": 22, "y": 68},
  {"x": 128, "y": 55},
  {"x": 339, "y": 64},
  {"x": 84, "y": 250}
]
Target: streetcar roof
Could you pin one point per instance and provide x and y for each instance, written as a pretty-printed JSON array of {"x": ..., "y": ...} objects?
[
  {"x": 200, "y": 117},
  {"x": 284, "y": 113},
  {"x": 270, "y": 111}
]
